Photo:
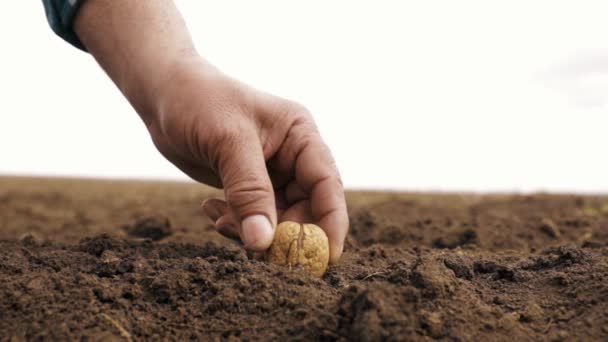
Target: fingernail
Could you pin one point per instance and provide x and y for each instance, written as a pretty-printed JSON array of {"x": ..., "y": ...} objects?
[{"x": 256, "y": 232}]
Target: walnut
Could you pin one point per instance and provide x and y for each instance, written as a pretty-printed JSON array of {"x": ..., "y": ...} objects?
[{"x": 300, "y": 245}]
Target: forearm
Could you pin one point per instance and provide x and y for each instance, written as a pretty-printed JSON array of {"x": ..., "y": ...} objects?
[{"x": 137, "y": 43}]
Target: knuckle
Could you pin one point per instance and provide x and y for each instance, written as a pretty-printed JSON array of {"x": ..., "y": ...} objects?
[
  {"x": 304, "y": 134},
  {"x": 338, "y": 180},
  {"x": 224, "y": 133},
  {"x": 298, "y": 112},
  {"x": 248, "y": 195},
  {"x": 221, "y": 141}
]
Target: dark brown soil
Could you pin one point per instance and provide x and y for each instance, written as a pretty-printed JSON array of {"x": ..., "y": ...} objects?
[{"x": 106, "y": 261}]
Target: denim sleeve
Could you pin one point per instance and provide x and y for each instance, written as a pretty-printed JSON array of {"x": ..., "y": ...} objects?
[{"x": 60, "y": 14}]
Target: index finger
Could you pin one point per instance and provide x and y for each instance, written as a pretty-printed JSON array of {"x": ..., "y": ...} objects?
[{"x": 317, "y": 174}]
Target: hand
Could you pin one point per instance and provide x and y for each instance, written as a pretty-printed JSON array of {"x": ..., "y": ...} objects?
[{"x": 264, "y": 151}]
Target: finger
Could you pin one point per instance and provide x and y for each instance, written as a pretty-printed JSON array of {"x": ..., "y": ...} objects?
[
  {"x": 329, "y": 209},
  {"x": 299, "y": 212},
  {"x": 317, "y": 175},
  {"x": 280, "y": 213},
  {"x": 214, "y": 208},
  {"x": 280, "y": 199},
  {"x": 248, "y": 189},
  {"x": 228, "y": 230},
  {"x": 294, "y": 193},
  {"x": 218, "y": 212},
  {"x": 279, "y": 178}
]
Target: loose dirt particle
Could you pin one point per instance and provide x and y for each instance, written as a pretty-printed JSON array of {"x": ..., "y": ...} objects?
[{"x": 550, "y": 228}]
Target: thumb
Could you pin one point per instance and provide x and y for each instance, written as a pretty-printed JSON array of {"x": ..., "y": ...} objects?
[{"x": 248, "y": 190}]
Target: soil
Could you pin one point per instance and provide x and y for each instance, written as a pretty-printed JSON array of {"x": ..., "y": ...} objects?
[{"x": 117, "y": 260}]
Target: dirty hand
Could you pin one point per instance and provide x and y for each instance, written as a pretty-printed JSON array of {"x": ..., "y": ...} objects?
[{"x": 264, "y": 151}]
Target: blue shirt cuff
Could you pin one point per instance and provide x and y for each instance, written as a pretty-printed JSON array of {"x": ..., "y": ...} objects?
[{"x": 60, "y": 14}]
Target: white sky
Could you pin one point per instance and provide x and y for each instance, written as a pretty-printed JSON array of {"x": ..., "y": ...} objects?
[{"x": 431, "y": 95}]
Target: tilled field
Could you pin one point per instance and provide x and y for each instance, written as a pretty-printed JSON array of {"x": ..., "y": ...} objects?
[{"x": 102, "y": 261}]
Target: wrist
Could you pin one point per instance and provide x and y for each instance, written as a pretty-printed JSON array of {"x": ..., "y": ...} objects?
[
  {"x": 138, "y": 54},
  {"x": 189, "y": 78},
  {"x": 147, "y": 88}
]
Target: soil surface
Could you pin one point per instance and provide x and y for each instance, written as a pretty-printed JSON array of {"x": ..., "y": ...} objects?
[{"x": 117, "y": 260}]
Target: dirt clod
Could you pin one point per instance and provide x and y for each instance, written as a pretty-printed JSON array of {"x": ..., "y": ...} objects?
[
  {"x": 152, "y": 227},
  {"x": 432, "y": 323},
  {"x": 531, "y": 312}
]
